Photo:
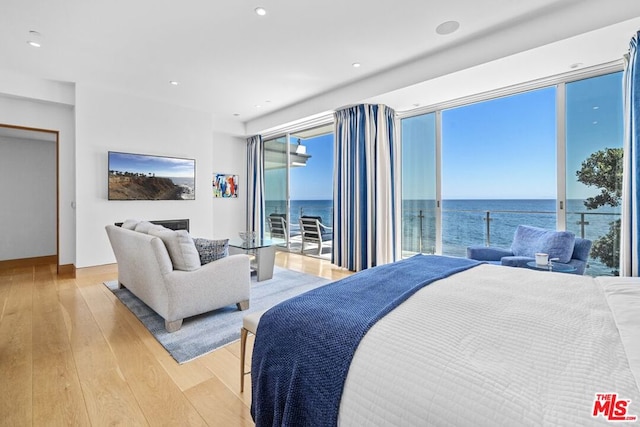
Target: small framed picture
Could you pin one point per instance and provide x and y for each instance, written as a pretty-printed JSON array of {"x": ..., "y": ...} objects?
[{"x": 225, "y": 185}]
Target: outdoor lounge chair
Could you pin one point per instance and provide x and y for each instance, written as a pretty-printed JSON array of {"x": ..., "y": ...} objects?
[
  {"x": 562, "y": 246},
  {"x": 314, "y": 231}
]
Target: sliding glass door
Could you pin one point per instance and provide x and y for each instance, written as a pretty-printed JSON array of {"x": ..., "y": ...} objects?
[
  {"x": 548, "y": 157},
  {"x": 419, "y": 210},
  {"x": 498, "y": 169},
  {"x": 299, "y": 182},
  {"x": 276, "y": 185},
  {"x": 594, "y": 138}
]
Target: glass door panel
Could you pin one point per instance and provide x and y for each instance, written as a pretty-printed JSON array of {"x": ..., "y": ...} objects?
[
  {"x": 275, "y": 187},
  {"x": 498, "y": 169},
  {"x": 311, "y": 185},
  {"x": 594, "y": 137},
  {"x": 419, "y": 184}
]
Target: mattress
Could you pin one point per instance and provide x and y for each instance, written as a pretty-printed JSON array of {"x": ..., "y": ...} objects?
[{"x": 497, "y": 346}]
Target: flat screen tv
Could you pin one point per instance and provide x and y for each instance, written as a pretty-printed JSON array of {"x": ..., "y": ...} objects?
[{"x": 147, "y": 177}]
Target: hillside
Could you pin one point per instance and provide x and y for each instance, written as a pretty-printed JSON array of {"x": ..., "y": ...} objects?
[{"x": 143, "y": 188}]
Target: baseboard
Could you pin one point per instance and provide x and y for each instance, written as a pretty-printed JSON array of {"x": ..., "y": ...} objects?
[
  {"x": 67, "y": 270},
  {"x": 28, "y": 262}
]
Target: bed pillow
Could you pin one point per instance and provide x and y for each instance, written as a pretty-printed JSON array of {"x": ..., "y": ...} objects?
[
  {"x": 211, "y": 250},
  {"x": 530, "y": 240},
  {"x": 181, "y": 248}
]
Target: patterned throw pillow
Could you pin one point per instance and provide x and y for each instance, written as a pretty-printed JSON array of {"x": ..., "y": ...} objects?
[{"x": 211, "y": 250}]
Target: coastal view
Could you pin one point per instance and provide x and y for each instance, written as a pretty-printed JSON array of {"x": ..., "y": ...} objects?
[
  {"x": 464, "y": 222},
  {"x": 498, "y": 168},
  {"x": 144, "y": 177}
]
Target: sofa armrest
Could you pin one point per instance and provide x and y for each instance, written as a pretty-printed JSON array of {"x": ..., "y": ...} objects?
[
  {"x": 487, "y": 253},
  {"x": 216, "y": 284},
  {"x": 229, "y": 270}
]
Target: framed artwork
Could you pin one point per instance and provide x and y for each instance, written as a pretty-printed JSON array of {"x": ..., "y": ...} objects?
[
  {"x": 225, "y": 185},
  {"x": 149, "y": 177}
]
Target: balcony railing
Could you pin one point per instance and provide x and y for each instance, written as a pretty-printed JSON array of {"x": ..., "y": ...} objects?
[
  {"x": 294, "y": 242},
  {"x": 464, "y": 227}
]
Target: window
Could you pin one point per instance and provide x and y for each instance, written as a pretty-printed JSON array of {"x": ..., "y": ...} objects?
[
  {"x": 419, "y": 184},
  {"x": 499, "y": 168},
  {"x": 299, "y": 181},
  {"x": 275, "y": 181},
  {"x": 594, "y": 138}
]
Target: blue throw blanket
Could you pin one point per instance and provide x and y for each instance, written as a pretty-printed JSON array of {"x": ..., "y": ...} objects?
[{"x": 304, "y": 345}]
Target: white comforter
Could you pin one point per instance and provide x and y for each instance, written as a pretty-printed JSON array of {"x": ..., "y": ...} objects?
[{"x": 499, "y": 346}]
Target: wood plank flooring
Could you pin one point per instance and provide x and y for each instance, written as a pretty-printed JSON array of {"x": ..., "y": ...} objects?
[{"x": 72, "y": 354}]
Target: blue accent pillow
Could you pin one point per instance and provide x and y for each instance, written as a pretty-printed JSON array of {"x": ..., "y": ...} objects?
[
  {"x": 211, "y": 250},
  {"x": 529, "y": 240}
]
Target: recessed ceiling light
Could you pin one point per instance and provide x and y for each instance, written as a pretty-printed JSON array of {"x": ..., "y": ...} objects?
[
  {"x": 258, "y": 106},
  {"x": 174, "y": 83},
  {"x": 576, "y": 65},
  {"x": 356, "y": 65},
  {"x": 447, "y": 27},
  {"x": 34, "y": 39},
  {"x": 236, "y": 114},
  {"x": 260, "y": 11}
]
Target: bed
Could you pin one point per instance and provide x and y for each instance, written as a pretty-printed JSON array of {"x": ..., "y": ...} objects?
[{"x": 467, "y": 344}]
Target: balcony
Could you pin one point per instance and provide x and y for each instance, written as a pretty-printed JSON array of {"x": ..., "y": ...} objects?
[{"x": 475, "y": 226}]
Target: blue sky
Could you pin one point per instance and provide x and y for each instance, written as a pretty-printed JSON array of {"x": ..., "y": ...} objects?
[
  {"x": 160, "y": 166},
  {"x": 315, "y": 180},
  {"x": 506, "y": 148},
  {"x": 501, "y": 149}
]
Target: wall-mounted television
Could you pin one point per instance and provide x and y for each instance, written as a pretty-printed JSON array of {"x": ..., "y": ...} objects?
[{"x": 148, "y": 177}]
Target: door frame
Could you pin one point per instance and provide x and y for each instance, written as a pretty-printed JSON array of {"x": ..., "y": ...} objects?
[{"x": 57, "y": 164}]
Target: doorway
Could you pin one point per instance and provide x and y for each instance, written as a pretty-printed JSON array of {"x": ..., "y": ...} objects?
[{"x": 30, "y": 191}]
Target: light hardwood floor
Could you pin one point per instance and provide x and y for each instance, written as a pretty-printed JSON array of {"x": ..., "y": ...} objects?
[{"x": 72, "y": 354}]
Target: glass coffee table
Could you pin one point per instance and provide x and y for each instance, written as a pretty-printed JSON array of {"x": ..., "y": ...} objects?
[
  {"x": 557, "y": 267},
  {"x": 264, "y": 251}
]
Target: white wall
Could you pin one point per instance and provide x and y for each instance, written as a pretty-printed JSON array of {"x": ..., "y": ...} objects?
[
  {"x": 103, "y": 121},
  {"x": 29, "y": 112},
  {"x": 28, "y": 191},
  {"x": 110, "y": 121},
  {"x": 229, "y": 157}
]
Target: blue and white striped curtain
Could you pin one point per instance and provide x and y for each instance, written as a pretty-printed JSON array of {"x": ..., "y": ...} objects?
[
  {"x": 255, "y": 185},
  {"x": 629, "y": 242},
  {"x": 366, "y": 193}
]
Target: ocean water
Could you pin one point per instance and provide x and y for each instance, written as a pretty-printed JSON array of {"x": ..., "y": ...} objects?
[
  {"x": 189, "y": 185},
  {"x": 464, "y": 222}
]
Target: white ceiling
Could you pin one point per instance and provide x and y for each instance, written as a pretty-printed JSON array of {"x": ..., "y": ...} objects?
[{"x": 296, "y": 61}]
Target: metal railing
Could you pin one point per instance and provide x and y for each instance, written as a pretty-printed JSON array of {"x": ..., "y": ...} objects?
[{"x": 487, "y": 218}]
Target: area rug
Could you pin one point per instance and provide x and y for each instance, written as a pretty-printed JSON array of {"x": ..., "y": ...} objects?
[{"x": 205, "y": 333}]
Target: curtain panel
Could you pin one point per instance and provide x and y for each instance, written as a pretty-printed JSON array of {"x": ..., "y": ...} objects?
[
  {"x": 366, "y": 187},
  {"x": 629, "y": 249},
  {"x": 255, "y": 185}
]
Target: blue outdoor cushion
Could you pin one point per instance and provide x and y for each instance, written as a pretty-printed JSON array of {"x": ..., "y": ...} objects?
[{"x": 528, "y": 240}]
